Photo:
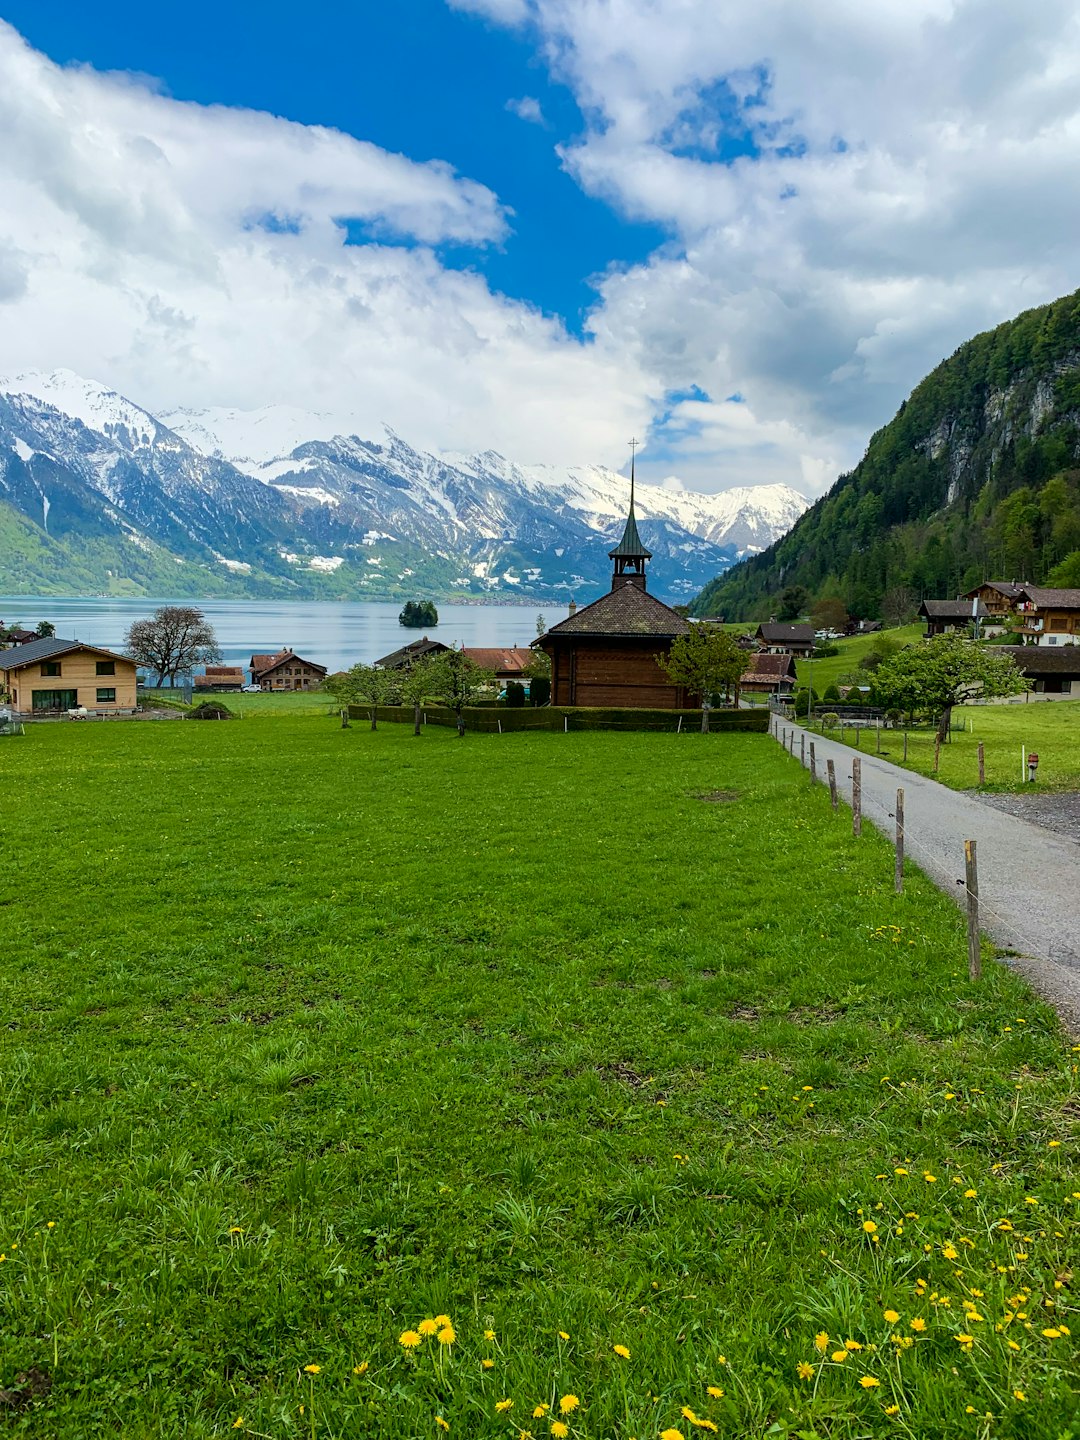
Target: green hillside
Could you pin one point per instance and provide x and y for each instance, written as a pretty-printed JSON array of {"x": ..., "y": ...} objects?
[{"x": 977, "y": 475}]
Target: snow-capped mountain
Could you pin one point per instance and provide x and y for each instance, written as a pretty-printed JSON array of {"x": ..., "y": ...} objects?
[{"x": 278, "y": 500}]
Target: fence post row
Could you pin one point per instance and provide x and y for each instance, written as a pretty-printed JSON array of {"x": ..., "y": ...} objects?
[
  {"x": 899, "y": 877},
  {"x": 856, "y": 797},
  {"x": 982, "y": 764},
  {"x": 971, "y": 882}
]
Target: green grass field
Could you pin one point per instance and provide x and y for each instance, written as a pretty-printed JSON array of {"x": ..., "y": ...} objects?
[
  {"x": 616, "y": 1050},
  {"x": 823, "y": 673},
  {"x": 1050, "y": 728}
]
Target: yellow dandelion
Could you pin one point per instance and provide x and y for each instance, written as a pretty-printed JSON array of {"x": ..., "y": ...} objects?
[
  {"x": 539, "y": 1411},
  {"x": 488, "y": 1364},
  {"x": 821, "y": 1341},
  {"x": 918, "y": 1324},
  {"x": 427, "y": 1327},
  {"x": 839, "y": 1356},
  {"x": 868, "y": 1382},
  {"x": 804, "y": 1371},
  {"x": 238, "y": 1423},
  {"x": 1019, "y": 1395},
  {"x": 671, "y": 1435},
  {"x": 970, "y": 1194},
  {"x": 892, "y": 1316},
  {"x": 892, "y": 1409},
  {"x": 233, "y": 1230},
  {"x": 702, "y": 1424},
  {"x": 501, "y": 1405},
  {"x": 965, "y": 1341},
  {"x": 622, "y": 1351},
  {"x": 312, "y": 1369},
  {"x": 559, "y": 1430},
  {"x": 930, "y": 1179},
  {"x": 899, "y": 1170},
  {"x": 441, "y": 1423},
  {"x": 869, "y": 1226},
  {"x": 568, "y": 1403},
  {"x": 563, "y": 1335},
  {"x": 714, "y": 1391},
  {"x": 852, "y": 1345},
  {"x": 443, "y": 1320},
  {"x": 950, "y": 1252},
  {"x": 489, "y": 1334},
  {"x": 446, "y": 1335},
  {"x": 360, "y": 1369},
  {"x": 1052, "y": 1334},
  {"x": 409, "y": 1338}
]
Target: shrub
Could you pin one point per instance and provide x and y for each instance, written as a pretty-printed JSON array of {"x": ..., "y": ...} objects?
[
  {"x": 211, "y": 710},
  {"x": 830, "y": 720},
  {"x": 854, "y": 696},
  {"x": 804, "y": 699},
  {"x": 515, "y": 695},
  {"x": 540, "y": 690},
  {"x": 831, "y": 693}
]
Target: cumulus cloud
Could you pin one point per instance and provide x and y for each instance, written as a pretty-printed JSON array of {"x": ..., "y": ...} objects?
[
  {"x": 527, "y": 108},
  {"x": 850, "y": 190}
]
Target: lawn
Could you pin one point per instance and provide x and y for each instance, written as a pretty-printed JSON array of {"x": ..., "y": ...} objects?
[
  {"x": 615, "y": 1051},
  {"x": 1050, "y": 728},
  {"x": 823, "y": 673}
]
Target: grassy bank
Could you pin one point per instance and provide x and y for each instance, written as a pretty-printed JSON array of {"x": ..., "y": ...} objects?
[
  {"x": 1050, "y": 728},
  {"x": 823, "y": 673},
  {"x": 615, "y": 1049}
]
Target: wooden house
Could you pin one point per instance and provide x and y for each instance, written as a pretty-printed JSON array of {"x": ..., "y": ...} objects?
[
  {"x": 219, "y": 678},
  {"x": 286, "y": 670},
  {"x": 1052, "y": 671},
  {"x": 605, "y": 654},
  {"x": 951, "y": 617},
  {"x": 1048, "y": 616},
  {"x": 780, "y": 639},
  {"x": 52, "y": 676},
  {"x": 1000, "y": 599},
  {"x": 408, "y": 655},
  {"x": 769, "y": 675}
]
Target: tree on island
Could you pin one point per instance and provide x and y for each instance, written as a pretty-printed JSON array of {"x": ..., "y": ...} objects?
[
  {"x": 419, "y": 614},
  {"x": 706, "y": 660},
  {"x": 172, "y": 641},
  {"x": 937, "y": 674},
  {"x": 457, "y": 681}
]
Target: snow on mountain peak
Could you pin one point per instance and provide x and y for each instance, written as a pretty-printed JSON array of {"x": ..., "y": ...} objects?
[
  {"x": 99, "y": 408},
  {"x": 255, "y": 441}
]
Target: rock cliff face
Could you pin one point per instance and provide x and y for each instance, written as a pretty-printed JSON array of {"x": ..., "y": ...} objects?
[
  {"x": 978, "y": 473},
  {"x": 97, "y": 494}
]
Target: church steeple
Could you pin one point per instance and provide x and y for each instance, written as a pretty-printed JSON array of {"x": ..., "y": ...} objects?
[{"x": 630, "y": 554}]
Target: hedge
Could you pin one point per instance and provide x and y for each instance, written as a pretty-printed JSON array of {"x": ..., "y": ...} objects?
[{"x": 569, "y": 717}]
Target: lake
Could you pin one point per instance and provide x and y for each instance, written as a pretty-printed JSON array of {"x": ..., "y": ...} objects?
[{"x": 335, "y": 634}]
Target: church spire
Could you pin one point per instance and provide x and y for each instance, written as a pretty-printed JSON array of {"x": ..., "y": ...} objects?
[{"x": 630, "y": 554}]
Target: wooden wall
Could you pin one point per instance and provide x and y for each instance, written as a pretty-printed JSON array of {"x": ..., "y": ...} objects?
[
  {"x": 613, "y": 673},
  {"x": 78, "y": 672}
]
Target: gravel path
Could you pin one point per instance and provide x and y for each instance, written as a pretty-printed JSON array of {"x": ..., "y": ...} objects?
[
  {"x": 1059, "y": 812},
  {"x": 1029, "y": 878}
]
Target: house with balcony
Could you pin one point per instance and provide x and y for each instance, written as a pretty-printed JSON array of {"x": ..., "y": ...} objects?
[
  {"x": 1048, "y": 616},
  {"x": 778, "y": 639},
  {"x": 952, "y": 617},
  {"x": 1000, "y": 598},
  {"x": 285, "y": 670}
]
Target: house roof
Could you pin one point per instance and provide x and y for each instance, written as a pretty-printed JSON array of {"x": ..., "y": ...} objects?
[
  {"x": 219, "y": 677},
  {"x": 504, "y": 661},
  {"x": 224, "y": 672},
  {"x": 18, "y": 636},
  {"x": 776, "y": 634},
  {"x": 266, "y": 664},
  {"x": 1009, "y": 588},
  {"x": 1034, "y": 660},
  {"x": 415, "y": 650},
  {"x": 1047, "y": 599},
  {"x": 38, "y": 650},
  {"x": 770, "y": 667},
  {"x": 630, "y": 546},
  {"x": 958, "y": 610},
  {"x": 628, "y": 611}
]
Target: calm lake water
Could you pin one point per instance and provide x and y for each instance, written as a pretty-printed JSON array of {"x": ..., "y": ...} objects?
[{"x": 336, "y": 635}]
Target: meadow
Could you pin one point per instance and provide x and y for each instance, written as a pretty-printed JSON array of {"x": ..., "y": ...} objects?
[
  {"x": 580, "y": 1086},
  {"x": 823, "y": 673},
  {"x": 1049, "y": 728}
]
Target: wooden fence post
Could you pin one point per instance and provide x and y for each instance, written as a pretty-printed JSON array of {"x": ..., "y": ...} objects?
[
  {"x": 899, "y": 877},
  {"x": 879, "y": 737},
  {"x": 937, "y": 753},
  {"x": 856, "y": 797},
  {"x": 344, "y": 719},
  {"x": 971, "y": 880},
  {"x": 858, "y": 737},
  {"x": 832, "y": 784},
  {"x": 982, "y": 764},
  {"x": 813, "y": 765},
  {"x": 905, "y": 747},
  {"x": 802, "y": 750}
]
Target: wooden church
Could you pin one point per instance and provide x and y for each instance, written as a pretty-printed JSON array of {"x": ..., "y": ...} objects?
[{"x": 605, "y": 653}]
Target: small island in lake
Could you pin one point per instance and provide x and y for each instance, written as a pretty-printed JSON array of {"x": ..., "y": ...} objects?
[{"x": 419, "y": 614}]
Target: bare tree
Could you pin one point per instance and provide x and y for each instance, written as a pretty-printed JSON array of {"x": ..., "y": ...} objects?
[
  {"x": 174, "y": 639},
  {"x": 899, "y": 605}
]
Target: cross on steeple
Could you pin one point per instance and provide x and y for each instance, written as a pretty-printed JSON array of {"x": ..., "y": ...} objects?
[{"x": 630, "y": 554}]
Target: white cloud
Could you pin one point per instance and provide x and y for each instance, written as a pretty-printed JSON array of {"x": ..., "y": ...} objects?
[{"x": 527, "y": 108}]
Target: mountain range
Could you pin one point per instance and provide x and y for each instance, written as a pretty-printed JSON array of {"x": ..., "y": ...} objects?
[
  {"x": 98, "y": 495},
  {"x": 976, "y": 477}
]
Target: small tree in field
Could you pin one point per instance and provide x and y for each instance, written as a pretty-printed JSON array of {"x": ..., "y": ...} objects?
[
  {"x": 175, "y": 638},
  {"x": 416, "y": 684},
  {"x": 457, "y": 681},
  {"x": 940, "y": 673},
  {"x": 705, "y": 660},
  {"x": 367, "y": 686}
]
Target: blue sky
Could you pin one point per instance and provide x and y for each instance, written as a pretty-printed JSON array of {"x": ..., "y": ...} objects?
[{"x": 742, "y": 232}]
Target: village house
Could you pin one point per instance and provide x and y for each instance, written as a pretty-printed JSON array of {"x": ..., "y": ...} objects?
[
  {"x": 407, "y": 656},
  {"x": 606, "y": 653},
  {"x": 1052, "y": 671},
  {"x": 779, "y": 639},
  {"x": 951, "y": 617},
  {"x": 286, "y": 670},
  {"x": 51, "y": 676},
  {"x": 1048, "y": 616},
  {"x": 505, "y": 664},
  {"x": 17, "y": 636},
  {"x": 1000, "y": 598},
  {"x": 220, "y": 678},
  {"x": 769, "y": 675}
]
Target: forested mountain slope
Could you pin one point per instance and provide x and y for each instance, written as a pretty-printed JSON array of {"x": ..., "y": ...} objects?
[{"x": 978, "y": 475}]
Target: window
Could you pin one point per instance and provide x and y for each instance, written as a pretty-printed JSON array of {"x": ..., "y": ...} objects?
[
  {"x": 55, "y": 699},
  {"x": 106, "y": 697},
  {"x": 1058, "y": 622},
  {"x": 106, "y": 667},
  {"x": 50, "y": 667}
]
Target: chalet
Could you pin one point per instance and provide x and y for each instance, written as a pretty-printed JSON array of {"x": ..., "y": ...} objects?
[
  {"x": 1000, "y": 598},
  {"x": 507, "y": 664},
  {"x": 778, "y": 639},
  {"x": 606, "y": 653},
  {"x": 285, "y": 670},
  {"x": 220, "y": 678},
  {"x": 769, "y": 675},
  {"x": 408, "y": 655},
  {"x": 49, "y": 676},
  {"x": 1051, "y": 671},
  {"x": 1048, "y": 617},
  {"x": 951, "y": 617},
  {"x": 17, "y": 636}
]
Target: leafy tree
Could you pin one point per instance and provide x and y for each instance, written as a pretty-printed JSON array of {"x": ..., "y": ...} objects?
[
  {"x": 419, "y": 614},
  {"x": 792, "y": 602},
  {"x": 172, "y": 641},
  {"x": 831, "y": 695},
  {"x": 830, "y": 614},
  {"x": 415, "y": 687},
  {"x": 805, "y": 700},
  {"x": 706, "y": 660},
  {"x": 540, "y": 690},
  {"x": 940, "y": 673},
  {"x": 457, "y": 681},
  {"x": 515, "y": 695},
  {"x": 541, "y": 625},
  {"x": 46, "y": 629},
  {"x": 365, "y": 685}
]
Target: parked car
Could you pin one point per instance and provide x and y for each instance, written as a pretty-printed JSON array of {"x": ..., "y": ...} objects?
[{"x": 250, "y": 689}]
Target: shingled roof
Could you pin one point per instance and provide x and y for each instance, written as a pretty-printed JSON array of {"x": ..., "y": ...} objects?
[
  {"x": 20, "y": 656},
  {"x": 1048, "y": 599},
  {"x": 409, "y": 654},
  {"x": 769, "y": 667},
  {"x": 627, "y": 611},
  {"x": 954, "y": 610},
  {"x": 508, "y": 661},
  {"x": 774, "y": 633},
  {"x": 1036, "y": 660}
]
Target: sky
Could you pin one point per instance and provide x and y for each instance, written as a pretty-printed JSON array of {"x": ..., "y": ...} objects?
[{"x": 739, "y": 231}]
